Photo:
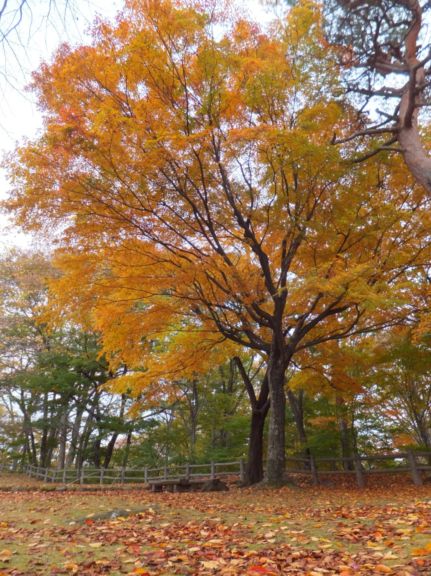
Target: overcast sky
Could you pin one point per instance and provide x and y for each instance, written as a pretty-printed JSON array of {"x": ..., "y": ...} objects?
[{"x": 35, "y": 41}]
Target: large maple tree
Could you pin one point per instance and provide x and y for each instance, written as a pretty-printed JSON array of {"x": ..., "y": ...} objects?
[{"x": 186, "y": 163}]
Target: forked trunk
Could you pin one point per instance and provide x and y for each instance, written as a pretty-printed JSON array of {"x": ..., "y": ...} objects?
[{"x": 259, "y": 409}]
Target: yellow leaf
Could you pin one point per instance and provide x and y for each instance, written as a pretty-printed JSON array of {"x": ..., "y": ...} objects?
[
  {"x": 71, "y": 567},
  {"x": 5, "y": 555},
  {"x": 211, "y": 564}
]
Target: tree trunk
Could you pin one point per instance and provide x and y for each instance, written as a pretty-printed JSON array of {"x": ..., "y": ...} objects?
[
  {"x": 277, "y": 417},
  {"x": 84, "y": 440},
  {"x": 254, "y": 470},
  {"x": 28, "y": 432},
  {"x": 346, "y": 447},
  {"x": 297, "y": 407},
  {"x": 97, "y": 452},
  {"x": 193, "y": 401},
  {"x": 64, "y": 423},
  {"x": 345, "y": 435},
  {"x": 415, "y": 156},
  {"x": 45, "y": 428},
  {"x": 422, "y": 430},
  {"x": 259, "y": 411},
  {"x": 127, "y": 449},
  {"x": 74, "y": 440},
  {"x": 51, "y": 440},
  {"x": 111, "y": 444}
]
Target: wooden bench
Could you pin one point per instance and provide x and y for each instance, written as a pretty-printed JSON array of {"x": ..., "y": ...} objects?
[{"x": 185, "y": 484}]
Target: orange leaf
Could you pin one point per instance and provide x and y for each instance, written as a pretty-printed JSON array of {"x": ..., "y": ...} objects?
[{"x": 383, "y": 569}]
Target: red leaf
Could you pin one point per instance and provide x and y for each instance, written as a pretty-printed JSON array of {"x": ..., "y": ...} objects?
[{"x": 261, "y": 570}]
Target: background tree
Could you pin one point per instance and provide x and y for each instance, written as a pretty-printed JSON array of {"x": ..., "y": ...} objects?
[
  {"x": 400, "y": 381},
  {"x": 384, "y": 47},
  {"x": 51, "y": 381}
]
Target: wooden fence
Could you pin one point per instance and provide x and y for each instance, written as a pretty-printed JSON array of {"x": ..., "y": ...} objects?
[
  {"x": 102, "y": 476},
  {"x": 414, "y": 463}
]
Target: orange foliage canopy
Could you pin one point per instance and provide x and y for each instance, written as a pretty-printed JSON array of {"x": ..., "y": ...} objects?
[{"x": 187, "y": 163}]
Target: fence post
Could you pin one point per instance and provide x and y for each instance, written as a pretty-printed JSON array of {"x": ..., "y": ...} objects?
[
  {"x": 45, "y": 475},
  {"x": 123, "y": 473},
  {"x": 187, "y": 471},
  {"x": 101, "y": 475},
  {"x": 146, "y": 474},
  {"x": 212, "y": 470},
  {"x": 165, "y": 472},
  {"x": 360, "y": 478},
  {"x": 416, "y": 475},
  {"x": 64, "y": 475},
  {"x": 81, "y": 476},
  {"x": 313, "y": 468}
]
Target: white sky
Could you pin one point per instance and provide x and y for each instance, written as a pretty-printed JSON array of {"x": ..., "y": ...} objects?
[{"x": 37, "y": 40}]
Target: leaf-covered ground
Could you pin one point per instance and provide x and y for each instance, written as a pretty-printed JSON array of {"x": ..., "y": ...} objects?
[{"x": 385, "y": 529}]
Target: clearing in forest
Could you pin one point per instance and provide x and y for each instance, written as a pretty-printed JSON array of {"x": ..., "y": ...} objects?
[{"x": 290, "y": 531}]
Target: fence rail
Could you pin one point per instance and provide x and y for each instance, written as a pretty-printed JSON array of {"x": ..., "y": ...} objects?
[{"x": 415, "y": 463}]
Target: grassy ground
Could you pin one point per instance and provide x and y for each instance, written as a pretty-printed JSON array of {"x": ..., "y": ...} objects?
[{"x": 385, "y": 529}]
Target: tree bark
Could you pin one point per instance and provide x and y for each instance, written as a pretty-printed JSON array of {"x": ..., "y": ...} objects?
[
  {"x": 259, "y": 409},
  {"x": 417, "y": 159},
  {"x": 193, "y": 401},
  {"x": 254, "y": 470},
  {"x": 97, "y": 452},
  {"x": 277, "y": 416},
  {"x": 64, "y": 423},
  {"x": 43, "y": 451}
]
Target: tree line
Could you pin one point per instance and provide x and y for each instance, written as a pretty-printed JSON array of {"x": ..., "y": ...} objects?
[{"x": 58, "y": 408}]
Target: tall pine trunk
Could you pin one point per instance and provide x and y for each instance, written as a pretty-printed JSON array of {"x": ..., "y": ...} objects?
[{"x": 64, "y": 424}]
